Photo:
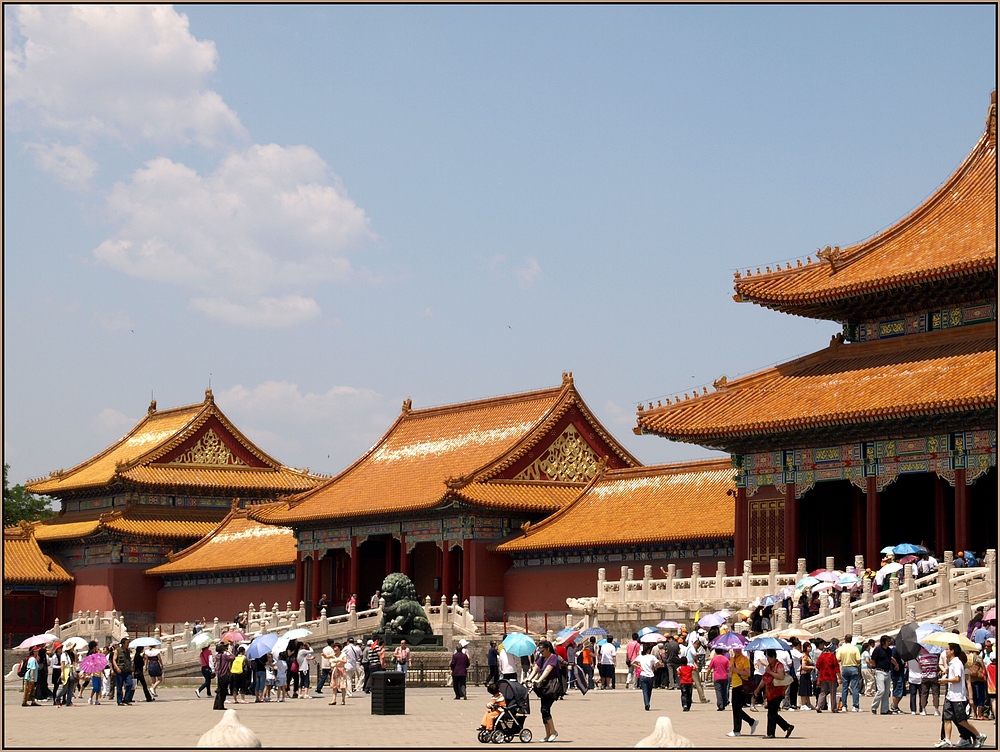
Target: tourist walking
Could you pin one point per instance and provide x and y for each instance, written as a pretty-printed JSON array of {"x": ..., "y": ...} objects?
[
  {"x": 352, "y": 653},
  {"x": 139, "y": 672},
  {"x": 207, "y": 671},
  {"x": 929, "y": 685},
  {"x": 868, "y": 669},
  {"x": 303, "y": 657},
  {"x": 806, "y": 675},
  {"x": 955, "y": 702},
  {"x": 459, "y": 672},
  {"x": 154, "y": 667},
  {"x": 493, "y": 663},
  {"x": 324, "y": 667},
  {"x": 632, "y": 650},
  {"x": 546, "y": 663},
  {"x": 402, "y": 656},
  {"x": 606, "y": 666},
  {"x": 122, "y": 666},
  {"x": 719, "y": 667},
  {"x": 672, "y": 660},
  {"x": 223, "y": 677},
  {"x": 882, "y": 660},
  {"x": 338, "y": 674},
  {"x": 685, "y": 676},
  {"x": 646, "y": 664},
  {"x": 67, "y": 679},
  {"x": 695, "y": 654},
  {"x": 828, "y": 670},
  {"x": 849, "y": 658},
  {"x": 739, "y": 678},
  {"x": 773, "y": 685},
  {"x": 30, "y": 678}
]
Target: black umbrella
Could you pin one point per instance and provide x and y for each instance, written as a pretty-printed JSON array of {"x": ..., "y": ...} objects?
[{"x": 906, "y": 642}]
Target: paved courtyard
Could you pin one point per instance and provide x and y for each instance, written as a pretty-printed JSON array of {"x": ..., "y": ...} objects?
[{"x": 433, "y": 719}]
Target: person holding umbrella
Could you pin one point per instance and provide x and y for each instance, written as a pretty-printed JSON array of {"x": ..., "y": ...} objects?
[{"x": 773, "y": 685}]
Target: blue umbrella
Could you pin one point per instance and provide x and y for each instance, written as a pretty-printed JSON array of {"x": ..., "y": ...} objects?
[
  {"x": 594, "y": 632},
  {"x": 806, "y": 582},
  {"x": 886, "y": 550},
  {"x": 519, "y": 644},
  {"x": 728, "y": 641},
  {"x": 908, "y": 548},
  {"x": 928, "y": 629},
  {"x": 768, "y": 600},
  {"x": 646, "y": 630},
  {"x": 261, "y": 645},
  {"x": 767, "y": 643},
  {"x": 601, "y": 642},
  {"x": 563, "y": 632}
]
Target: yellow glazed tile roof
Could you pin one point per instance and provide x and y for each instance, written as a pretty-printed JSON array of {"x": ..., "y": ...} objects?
[
  {"x": 428, "y": 452},
  {"x": 953, "y": 233},
  {"x": 134, "y": 458},
  {"x": 239, "y": 543},
  {"x": 936, "y": 372},
  {"x": 640, "y": 506},
  {"x": 139, "y": 521},
  {"x": 528, "y": 496},
  {"x": 24, "y": 562}
]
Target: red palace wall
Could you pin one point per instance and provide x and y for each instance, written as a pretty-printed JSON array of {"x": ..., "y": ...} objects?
[
  {"x": 546, "y": 588},
  {"x": 180, "y": 604},
  {"x": 118, "y": 587}
]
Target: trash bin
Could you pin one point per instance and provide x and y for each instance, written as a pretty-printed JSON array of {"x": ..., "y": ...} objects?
[{"x": 388, "y": 693}]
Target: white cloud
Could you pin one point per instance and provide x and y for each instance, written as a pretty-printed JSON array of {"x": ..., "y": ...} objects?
[
  {"x": 617, "y": 415},
  {"x": 70, "y": 165},
  {"x": 527, "y": 274},
  {"x": 268, "y": 219},
  {"x": 121, "y": 72},
  {"x": 112, "y": 424},
  {"x": 263, "y": 313},
  {"x": 285, "y": 400}
]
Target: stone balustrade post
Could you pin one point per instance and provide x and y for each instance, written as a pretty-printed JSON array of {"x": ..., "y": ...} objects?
[
  {"x": 322, "y": 618},
  {"x": 216, "y": 627},
  {"x": 945, "y": 595},
  {"x": 352, "y": 618},
  {"x": 824, "y": 605},
  {"x": 187, "y": 632},
  {"x": 866, "y": 590},
  {"x": 454, "y": 602},
  {"x": 963, "y": 603},
  {"x": 671, "y": 574},
  {"x": 467, "y": 621},
  {"x": 55, "y": 628},
  {"x": 796, "y": 616},
  {"x": 302, "y": 611},
  {"x": 647, "y": 575},
  {"x": 157, "y": 633},
  {"x": 170, "y": 653},
  {"x": 443, "y": 616},
  {"x": 695, "y": 576},
  {"x": 623, "y": 585},
  {"x": 859, "y": 563},
  {"x": 772, "y": 577},
  {"x": 745, "y": 585},
  {"x": 911, "y": 614},
  {"x": 720, "y": 580},
  {"x": 991, "y": 564},
  {"x": 846, "y": 614},
  {"x": 288, "y": 607},
  {"x": 780, "y": 618},
  {"x": 800, "y": 569},
  {"x": 830, "y": 564},
  {"x": 601, "y": 575},
  {"x": 896, "y": 609}
]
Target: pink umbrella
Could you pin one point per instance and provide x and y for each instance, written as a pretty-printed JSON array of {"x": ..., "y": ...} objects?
[
  {"x": 234, "y": 636},
  {"x": 38, "y": 639},
  {"x": 820, "y": 586},
  {"x": 825, "y": 576},
  {"x": 990, "y": 615},
  {"x": 93, "y": 663}
]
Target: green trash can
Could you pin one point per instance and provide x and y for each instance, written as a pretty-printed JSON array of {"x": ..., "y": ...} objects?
[{"x": 388, "y": 693}]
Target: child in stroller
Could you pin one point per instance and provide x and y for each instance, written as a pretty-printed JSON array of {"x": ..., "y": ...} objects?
[{"x": 507, "y": 710}]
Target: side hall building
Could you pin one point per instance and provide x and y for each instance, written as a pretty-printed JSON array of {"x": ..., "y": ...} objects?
[{"x": 890, "y": 433}]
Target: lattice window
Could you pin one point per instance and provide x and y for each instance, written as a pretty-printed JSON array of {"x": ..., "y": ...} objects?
[
  {"x": 210, "y": 450},
  {"x": 569, "y": 458},
  {"x": 767, "y": 530}
]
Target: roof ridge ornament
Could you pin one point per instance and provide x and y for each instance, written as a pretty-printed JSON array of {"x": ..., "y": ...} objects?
[
  {"x": 830, "y": 255},
  {"x": 407, "y": 406},
  {"x": 567, "y": 378},
  {"x": 719, "y": 384},
  {"x": 209, "y": 397},
  {"x": 152, "y": 407}
]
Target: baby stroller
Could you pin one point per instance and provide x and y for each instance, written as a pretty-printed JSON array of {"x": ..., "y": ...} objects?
[{"x": 510, "y": 722}]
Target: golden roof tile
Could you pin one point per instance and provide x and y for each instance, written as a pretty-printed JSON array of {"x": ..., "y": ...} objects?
[
  {"x": 145, "y": 456},
  {"x": 951, "y": 234},
  {"x": 948, "y": 370},
  {"x": 639, "y": 506},
  {"x": 238, "y": 543},
  {"x": 426, "y": 453},
  {"x": 24, "y": 562},
  {"x": 527, "y": 496},
  {"x": 54, "y": 529},
  {"x": 152, "y": 522}
]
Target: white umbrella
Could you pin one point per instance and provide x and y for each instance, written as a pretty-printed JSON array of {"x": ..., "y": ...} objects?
[
  {"x": 295, "y": 634},
  {"x": 75, "y": 643},
  {"x": 144, "y": 642},
  {"x": 652, "y": 637},
  {"x": 892, "y": 566}
]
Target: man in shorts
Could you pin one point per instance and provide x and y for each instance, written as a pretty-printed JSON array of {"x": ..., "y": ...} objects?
[
  {"x": 955, "y": 702},
  {"x": 606, "y": 664}
]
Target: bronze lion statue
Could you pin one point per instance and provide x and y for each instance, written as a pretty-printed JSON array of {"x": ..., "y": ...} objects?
[{"x": 402, "y": 613}]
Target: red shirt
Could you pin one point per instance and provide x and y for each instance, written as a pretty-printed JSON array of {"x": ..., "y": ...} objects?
[
  {"x": 827, "y": 666},
  {"x": 686, "y": 673},
  {"x": 561, "y": 652}
]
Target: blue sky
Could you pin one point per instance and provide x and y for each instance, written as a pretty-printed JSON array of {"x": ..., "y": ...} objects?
[{"x": 326, "y": 210}]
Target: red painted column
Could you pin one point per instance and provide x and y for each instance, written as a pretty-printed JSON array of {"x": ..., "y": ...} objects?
[
  {"x": 741, "y": 537},
  {"x": 300, "y": 579},
  {"x": 446, "y": 585},
  {"x": 940, "y": 521},
  {"x": 873, "y": 532},
  {"x": 316, "y": 581},
  {"x": 404, "y": 558},
  {"x": 962, "y": 523},
  {"x": 791, "y": 528},
  {"x": 355, "y": 567},
  {"x": 466, "y": 590}
]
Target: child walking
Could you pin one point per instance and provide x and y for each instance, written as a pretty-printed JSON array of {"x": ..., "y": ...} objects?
[{"x": 686, "y": 673}]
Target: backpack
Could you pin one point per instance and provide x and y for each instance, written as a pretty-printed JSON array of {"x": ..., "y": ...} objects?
[
  {"x": 237, "y": 667},
  {"x": 22, "y": 668}
]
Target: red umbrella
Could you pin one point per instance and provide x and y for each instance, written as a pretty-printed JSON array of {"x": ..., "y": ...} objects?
[
  {"x": 817, "y": 571},
  {"x": 909, "y": 559},
  {"x": 234, "y": 636}
]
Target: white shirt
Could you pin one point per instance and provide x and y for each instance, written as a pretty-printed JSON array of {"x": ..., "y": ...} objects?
[
  {"x": 508, "y": 664},
  {"x": 353, "y": 656},
  {"x": 916, "y": 676},
  {"x": 956, "y": 690},
  {"x": 759, "y": 662},
  {"x": 796, "y": 661},
  {"x": 608, "y": 652},
  {"x": 647, "y": 665},
  {"x": 325, "y": 656}
]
